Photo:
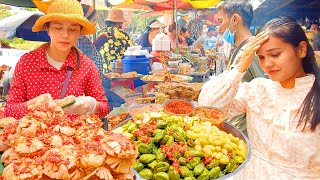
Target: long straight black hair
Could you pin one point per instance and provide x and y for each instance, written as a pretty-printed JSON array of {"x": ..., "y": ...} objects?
[{"x": 287, "y": 29}]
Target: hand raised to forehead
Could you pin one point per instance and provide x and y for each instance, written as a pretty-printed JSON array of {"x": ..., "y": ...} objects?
[{"x": 247, "y": 56}]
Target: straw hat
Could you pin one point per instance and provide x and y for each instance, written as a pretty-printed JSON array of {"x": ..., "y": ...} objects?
[
  {"x": 65, "y": 10},
  {"x": 157, "y": 24},
  {"x": 116, "y": 15}
]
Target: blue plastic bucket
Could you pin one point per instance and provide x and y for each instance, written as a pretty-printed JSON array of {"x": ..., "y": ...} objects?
[{"x": 140, "y": 64}]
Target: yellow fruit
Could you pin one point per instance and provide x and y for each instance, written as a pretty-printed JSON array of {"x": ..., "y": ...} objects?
[
  {"x": 198, "y": 148},
  {"x": 207, "y": 151}
]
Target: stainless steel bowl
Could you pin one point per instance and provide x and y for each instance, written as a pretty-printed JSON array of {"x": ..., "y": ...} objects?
[{"x": 229, "y": 128}]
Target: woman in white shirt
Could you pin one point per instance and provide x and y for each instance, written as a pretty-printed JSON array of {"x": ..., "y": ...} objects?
[{"x": 283, "y": 112}]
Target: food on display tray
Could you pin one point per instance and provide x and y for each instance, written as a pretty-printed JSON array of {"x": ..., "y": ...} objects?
[
  {"x": 45, "y": 144},
  {"x": 185, "y": 68},
  {"x": 216, "y": 117},
  {"x": 114, "y": 120},
  {"x": 180, "y": 90},
  {"x": 175, "y": 147},
  {"x": 145, "y": 100},
  {"x": 161, "y": 77},
  {"x": 161, "y": 98},
  {"x": 112, "y": 75},
  {"x": 128, "y": 75},
  {"x": 138, "y": 110},
  {"x": 178, "y": 107}
]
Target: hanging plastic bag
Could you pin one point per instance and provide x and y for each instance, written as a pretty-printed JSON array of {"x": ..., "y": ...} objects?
[{"x": 7, "y": 77}]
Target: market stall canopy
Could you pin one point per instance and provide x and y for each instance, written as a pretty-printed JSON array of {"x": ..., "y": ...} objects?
[
  {"x": 134, "y": 7},
  {"x": 18, "y": 3},
  {"x": 20, "y": 25},
  {"x": 296, "y": 8},
  {"x": 99, "y": 4},
  {"x": 160, "y": 5}
]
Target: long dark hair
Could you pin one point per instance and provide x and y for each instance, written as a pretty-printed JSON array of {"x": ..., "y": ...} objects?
[{"x": 287, "y": 29}]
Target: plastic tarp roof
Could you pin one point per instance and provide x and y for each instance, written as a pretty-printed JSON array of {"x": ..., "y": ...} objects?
[{"x": 296, "y": 8}]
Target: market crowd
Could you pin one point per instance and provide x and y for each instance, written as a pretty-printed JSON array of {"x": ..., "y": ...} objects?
[{"x": 268, "y": 81}]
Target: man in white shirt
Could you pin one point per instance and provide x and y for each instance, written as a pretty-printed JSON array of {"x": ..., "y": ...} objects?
[{"x": 207, "y": 40}]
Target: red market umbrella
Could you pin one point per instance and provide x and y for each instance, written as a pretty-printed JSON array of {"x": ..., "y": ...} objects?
[
  {"x": 169, "y": 5},
  {"x": 159, "y": 5},
  {"x": 134, "y": 7}
]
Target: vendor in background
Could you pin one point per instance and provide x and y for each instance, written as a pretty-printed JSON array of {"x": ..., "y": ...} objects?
[
  {"x": 283, "y": 113},
  {"x": 186, "y": 35},
  {"x": 234, "y": 24},
  {"x": 113, "y": 42},
  {"x": 44, "y": 69},
  {"x": 314, "y": 26},
  {"x": 207, "y": 40},
  {"x": 316, "y": 47},
  {"x": 87, "y": 47},
  {"x": 172, "y": 33},
  {"x": 152, "y": 30},
  {"x": 85, "y": 44},
  {"x": 195, "y": 25}
]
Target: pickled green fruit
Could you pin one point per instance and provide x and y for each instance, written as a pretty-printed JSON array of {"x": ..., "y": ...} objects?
[
  {"x": 144, "y": 149},
  {"x": 231, "y": 166},
  {"x": 132, "y": 127},
  {"x": 198, "y": 169},
  {"x": 161, "y": 176},
  {"x": 170, "y": 140},
  {"x": 214, "y": 172},
  {"x": 190, "y": 178},
  {"x": 159, "y": 155},
  {"x": 197, "y": 153},
  {"x": 161, "y": 167},
  {"x": 147, "y": 158},
  {"x": 173, "y": 174},
  {"x": 182, "y": 161},
  {"x": 185, "y": 172},
  {"x": 203, "y": 176},
  {"x": 164, "y": 139},
  {"x": 146, "y": 173},
  {"x": 193, "y": 163},
  {"x": 159, "y": 135},
  {"x": 214, "y": 163},
  {"x": 162, "y": 125},
  {"x": 152, "y": 164},
  {"x": 138, "y": 166}
]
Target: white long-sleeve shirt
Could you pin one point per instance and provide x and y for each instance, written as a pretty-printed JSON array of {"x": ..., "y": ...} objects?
[{"x": 280, "y": 150}]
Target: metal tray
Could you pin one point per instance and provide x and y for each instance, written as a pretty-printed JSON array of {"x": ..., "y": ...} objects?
[
  {"x": 186, "y": 79},
  {"x": 229, "y": 128}
]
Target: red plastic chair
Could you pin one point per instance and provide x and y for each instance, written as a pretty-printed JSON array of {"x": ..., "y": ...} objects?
[{"x": 126, "y": 83}]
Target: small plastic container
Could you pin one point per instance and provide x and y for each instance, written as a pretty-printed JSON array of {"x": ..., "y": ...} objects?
[
  {"x": 173, "y": 70},
  {"x": 185, "y": 68},
  {"x": 173, "y": 64}
]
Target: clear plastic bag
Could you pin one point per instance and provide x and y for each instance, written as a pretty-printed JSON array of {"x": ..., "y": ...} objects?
[{"x": 7, "y": 77}]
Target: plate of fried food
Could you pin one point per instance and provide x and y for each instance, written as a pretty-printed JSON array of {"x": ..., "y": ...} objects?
[
  {"x": 124, "y": 76},
  {"x": 161, "y": 77}
]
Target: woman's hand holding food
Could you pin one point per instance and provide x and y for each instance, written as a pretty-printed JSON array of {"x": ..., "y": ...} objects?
[
  {"x": 82, "y": 105},
  {"x": 248, "y": 54},
  {"x": 38, "y": 101}
]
